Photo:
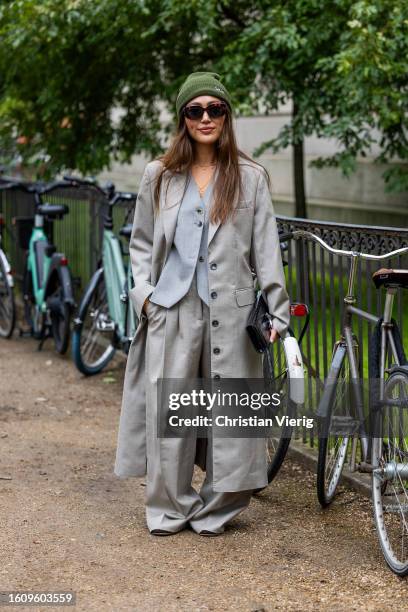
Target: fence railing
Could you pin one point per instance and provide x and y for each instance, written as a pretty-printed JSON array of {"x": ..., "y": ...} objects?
[{"x": 320, "y": 279}]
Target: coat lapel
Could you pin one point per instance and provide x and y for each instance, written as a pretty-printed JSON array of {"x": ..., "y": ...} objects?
[
  {"x": 212, "y": 227},
  {"x": 172, "y": 195}
]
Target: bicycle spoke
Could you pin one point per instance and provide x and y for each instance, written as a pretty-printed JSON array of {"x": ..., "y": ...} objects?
[
  {"x": 96, "y": 344},
  {"x": 392, "y": 496}
]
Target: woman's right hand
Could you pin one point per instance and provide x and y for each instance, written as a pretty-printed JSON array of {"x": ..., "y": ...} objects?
[{"x": 144, "y": 308}]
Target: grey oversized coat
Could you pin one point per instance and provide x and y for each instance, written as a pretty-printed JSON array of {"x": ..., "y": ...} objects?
[{"x": 249, "y": 241}]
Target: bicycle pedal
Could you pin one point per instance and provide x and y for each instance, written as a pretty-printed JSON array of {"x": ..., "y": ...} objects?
[{"x": 344, "y": 426}]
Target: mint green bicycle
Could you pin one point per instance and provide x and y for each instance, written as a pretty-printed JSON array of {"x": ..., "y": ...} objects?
[
  {"x": 106, "y": 320},
  {"x": 48, "y": 296}
]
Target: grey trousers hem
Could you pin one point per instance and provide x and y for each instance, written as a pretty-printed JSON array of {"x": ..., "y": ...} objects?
[{"x": 178, "y": 346}]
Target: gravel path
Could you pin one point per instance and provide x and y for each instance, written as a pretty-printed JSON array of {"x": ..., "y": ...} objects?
[{"x": 68, "y": 523}]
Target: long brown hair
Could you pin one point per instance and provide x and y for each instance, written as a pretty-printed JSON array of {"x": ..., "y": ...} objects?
[{"x": 179, "y": 158}]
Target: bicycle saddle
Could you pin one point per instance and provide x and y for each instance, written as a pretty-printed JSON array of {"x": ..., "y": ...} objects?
[
  {"x": 52, "y": 210},
  {"x": 126, "y": 230},
  {"x": 390, "y": 278}
]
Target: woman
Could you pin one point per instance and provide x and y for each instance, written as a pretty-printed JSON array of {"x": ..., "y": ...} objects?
[{"x": 203, "y": 224}]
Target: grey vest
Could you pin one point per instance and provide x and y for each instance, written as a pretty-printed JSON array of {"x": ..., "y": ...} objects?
[{"x": 188, "y": 254}]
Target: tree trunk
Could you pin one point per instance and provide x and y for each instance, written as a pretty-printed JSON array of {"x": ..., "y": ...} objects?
[
  {"x": 300, "y": 212},
  {"x": 298, "y": 173}
]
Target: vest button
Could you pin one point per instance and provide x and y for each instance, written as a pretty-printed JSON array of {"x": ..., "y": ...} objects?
[
  {"x": 213, "y": 266},
  {"x": 215, "y": 323},
  {"x": 216, "y": 351},
  {"x": 199, "y": 223},
  {"x": 213, "y": 294},
  {"x": 217, "y": 377},
  {"x": 201, "y": 258},
  {"x": 199, "y": 210}
]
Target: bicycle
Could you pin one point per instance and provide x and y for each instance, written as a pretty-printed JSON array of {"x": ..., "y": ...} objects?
[
  {"x": 47, "y": 286},
  {"x": 380, "y": 441},
  {"x": 283, "y": 373},
  {"x": 7, "y": 303},
  {"x": 105, "y": 320}
]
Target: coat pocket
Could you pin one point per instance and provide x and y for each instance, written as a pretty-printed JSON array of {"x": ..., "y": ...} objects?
[{"x": 245, "y": 296}]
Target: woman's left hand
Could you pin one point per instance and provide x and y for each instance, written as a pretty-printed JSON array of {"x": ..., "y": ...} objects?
[{"x": 274, "y": 336}]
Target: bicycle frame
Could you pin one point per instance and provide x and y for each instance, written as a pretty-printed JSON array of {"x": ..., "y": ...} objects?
[
  {"x": 386, "y": 337},
  {"x": 38, "y": 236},
  {"x": 117, "y": 280}
]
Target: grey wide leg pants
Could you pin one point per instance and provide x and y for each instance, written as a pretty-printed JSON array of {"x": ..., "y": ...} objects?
[{"x": 178, "y": 346}]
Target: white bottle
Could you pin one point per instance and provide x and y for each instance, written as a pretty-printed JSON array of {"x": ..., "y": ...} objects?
[{"x": 296, "y": 373}]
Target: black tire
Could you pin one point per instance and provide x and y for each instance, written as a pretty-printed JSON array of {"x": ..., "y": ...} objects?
[
  {"x": 390, "y": 472},
  {"x": 275, "y": 373},
  {"x": 91, "y": 350},
  {"x": 7, "y": 304},
  {"x": 333, "y": 448},
  {"x": 60, "y": 316}
]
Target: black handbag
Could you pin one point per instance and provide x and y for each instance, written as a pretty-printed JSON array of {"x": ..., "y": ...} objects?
[{"x": 259, "y": 324}]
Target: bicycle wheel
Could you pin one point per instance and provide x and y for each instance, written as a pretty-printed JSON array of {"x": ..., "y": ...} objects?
[
  {"x": 333, "y": 437},
  {"x": 60, "y": 315},
  {"x": 275, "y": 371},
  {"x": 390, "y": 473},
  {"x": 7, "y": 305},
  {"x": 93, "y": 348}
]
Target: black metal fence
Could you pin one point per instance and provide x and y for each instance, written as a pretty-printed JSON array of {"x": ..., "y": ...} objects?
[{"x": 320, "y": 279}]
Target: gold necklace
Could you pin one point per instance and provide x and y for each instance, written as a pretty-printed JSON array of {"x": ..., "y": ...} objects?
[
  {"x": 201, "y": 188},
  {"x": 205, "y": 166}
]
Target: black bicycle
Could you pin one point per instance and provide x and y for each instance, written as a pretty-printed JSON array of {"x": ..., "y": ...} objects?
[
  {"x": 371, "y": 440},
  {"x": 279, "y": 378}
]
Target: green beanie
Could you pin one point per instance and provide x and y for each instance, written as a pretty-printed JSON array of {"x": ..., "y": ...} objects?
[{"x": 201, "y": 83}]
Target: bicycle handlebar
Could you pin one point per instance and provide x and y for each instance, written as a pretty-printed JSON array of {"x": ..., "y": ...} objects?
[
  {"x": 108, "y": 191},
  {"x": 296, "y": 234},
  {"x": 122, "y": 196},
  {"x": 51, "y": 187},
  {"x": 14, "y": 184},
  {"x": 5, "y": 186},
  {"x": 75, "y": 180},
  {"x": 38, "y": 188}
]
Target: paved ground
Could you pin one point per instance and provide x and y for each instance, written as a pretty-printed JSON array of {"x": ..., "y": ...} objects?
[{"x": 68, "y": 523}]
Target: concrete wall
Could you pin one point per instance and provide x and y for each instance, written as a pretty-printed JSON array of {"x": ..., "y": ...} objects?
[{"x": 358, "y": 199}]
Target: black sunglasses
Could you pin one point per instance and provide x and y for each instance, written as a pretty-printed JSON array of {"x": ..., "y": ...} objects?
[{"x": 215, "y": 111}]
